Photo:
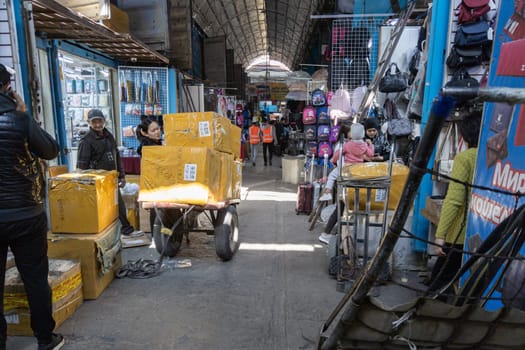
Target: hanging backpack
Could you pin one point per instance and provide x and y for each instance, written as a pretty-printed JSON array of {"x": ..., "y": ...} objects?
[
  {"x": 309, "y": 115},
  {"x": 311, "y": 148},
  {"x": 323, "y": 132},
  {"x": 324, "y": 147},
  {"x": 310, "y": 132},
  {"x": 341, "y": 106},
  {"x": 334, "y": 131},
  {"x": 472, "y": 10},
  {"x": 472, "y": 34},
  {"x": 318, "y": 98},
  {"x": 322, "y": 115}
]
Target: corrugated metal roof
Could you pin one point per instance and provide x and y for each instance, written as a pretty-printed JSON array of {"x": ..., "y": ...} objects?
[
  {"x": 54, "y": 21},
  {"x": 253, "y": 28}
]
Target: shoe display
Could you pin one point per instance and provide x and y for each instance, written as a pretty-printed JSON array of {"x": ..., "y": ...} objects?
[
  {"x": 324, "y": 238},
  {"x": 327, "y": 196},
  {"x": 57, "y": 341}
]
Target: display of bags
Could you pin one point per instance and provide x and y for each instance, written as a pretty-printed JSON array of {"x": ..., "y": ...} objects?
[
  {"x": 472, "y": 10},
  {"x": 309, "y": 115},
  {"x": 341, "y": 105},
  {"x": 324, "y": 148},
  {"x": 310, "y": 132},
  {"x": 323, "y": 132},
  {"x": 318, "y": 98},
  {"x": 462, "y": 78},
  {"x": 459, "y": 57},
  {"x": 322, "y": 115},
  {"x": 397, "y": 125},
  {"x": 472, "y": 34},
  {"x": 393, "y": 80}
]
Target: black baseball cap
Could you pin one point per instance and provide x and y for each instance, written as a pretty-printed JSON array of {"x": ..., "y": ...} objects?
[{"x": 95, "y": 114}]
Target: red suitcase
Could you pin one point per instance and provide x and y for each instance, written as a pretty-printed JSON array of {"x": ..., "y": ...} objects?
[{"x": 305, "y": 191}]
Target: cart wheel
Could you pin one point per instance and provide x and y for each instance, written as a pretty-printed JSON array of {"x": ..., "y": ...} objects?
[
  {"x": 227, "y": 233},
  {"x": 170, "y": 245}
]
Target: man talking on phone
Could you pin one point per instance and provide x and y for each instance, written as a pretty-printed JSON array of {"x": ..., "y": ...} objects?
[{"x": 23, "y": 220}]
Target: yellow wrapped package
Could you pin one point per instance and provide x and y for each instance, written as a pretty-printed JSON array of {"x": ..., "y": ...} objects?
[
  {"x": 84, "y": 202},
  {"x": 236, "y": 179},
  {"x": 370, "y": 170},
  {"x": 202, "y": 129},
  {"x": 189, "y": 175},
  {"x": 226, "y": 175}
]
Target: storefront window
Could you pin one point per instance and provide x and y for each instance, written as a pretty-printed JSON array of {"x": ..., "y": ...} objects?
[{"x": 85, "y": 85}]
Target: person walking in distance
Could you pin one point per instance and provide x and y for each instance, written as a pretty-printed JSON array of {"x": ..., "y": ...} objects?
[
  {"x": 23, "y": 220},
  {"x": 98, "y": 150},
  {"x": 255, "y": 139},
  {"x": 269, "y": 138}
]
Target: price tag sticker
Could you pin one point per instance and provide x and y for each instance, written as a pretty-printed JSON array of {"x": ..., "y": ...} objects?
[
  {"x": 380, "y": 195},
  {"x": 190, "y": 172},
  {"x": 204, "y": 129}
]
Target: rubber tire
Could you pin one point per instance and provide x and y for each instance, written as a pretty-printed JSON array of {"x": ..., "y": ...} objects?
[
  {"x": 169, "y": 244},
  {"x": 332, "y": 258},
  {"x": 227, "y": 233}
]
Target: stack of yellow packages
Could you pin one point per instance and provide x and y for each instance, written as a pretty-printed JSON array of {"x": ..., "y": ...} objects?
[
  {"x": 199, "y": 165},
  {"x": 83, "y": 209},
  {"x": 65, "y": 281}
]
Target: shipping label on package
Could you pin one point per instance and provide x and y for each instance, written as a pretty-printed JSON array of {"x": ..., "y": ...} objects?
[
  {"x": 204, "y": 129},
  {"x": 190, "y": 172}
]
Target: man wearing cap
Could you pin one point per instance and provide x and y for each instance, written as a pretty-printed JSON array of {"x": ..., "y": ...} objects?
[
  {"x": 98, "y": 150},
  {"x": 23, "y": 221}
]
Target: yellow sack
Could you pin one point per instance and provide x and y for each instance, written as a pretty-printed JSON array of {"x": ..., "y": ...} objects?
[{"x": 371, "y": 170}]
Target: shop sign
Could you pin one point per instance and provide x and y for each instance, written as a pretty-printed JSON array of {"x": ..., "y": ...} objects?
[
  {"x": 500, "y": 164},
  {"x": 278, "y": 91}
]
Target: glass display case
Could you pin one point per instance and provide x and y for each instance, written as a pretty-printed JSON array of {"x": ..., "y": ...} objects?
[{"x": 85, "y": 85}]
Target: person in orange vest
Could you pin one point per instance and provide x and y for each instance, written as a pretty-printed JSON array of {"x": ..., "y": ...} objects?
[
  {"x": 255, "y": 138},
  {"x": 269, "y": 137}
]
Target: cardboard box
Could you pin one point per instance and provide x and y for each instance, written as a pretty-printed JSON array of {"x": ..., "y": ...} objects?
[
  {"x": 144, "y": 219},
  {"x": 119, "y": 21},
  {"x": 236, "y": 179},
  {"x": 202, "y": 129},
  {"x": 83, "y": 202},
  {"x": 99, "y": 256},
  {"x": 189, "y": 175},
  {"x": 66, "y": 284}
]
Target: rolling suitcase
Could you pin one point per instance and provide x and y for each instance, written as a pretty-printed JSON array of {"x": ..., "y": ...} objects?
[{"x": 305, "y": 190}]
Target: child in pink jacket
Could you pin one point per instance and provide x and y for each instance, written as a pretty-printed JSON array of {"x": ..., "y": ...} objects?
[{"x": 356, "y": 150}]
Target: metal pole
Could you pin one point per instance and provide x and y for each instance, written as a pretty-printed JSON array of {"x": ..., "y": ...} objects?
[
  {"x": 440, "y": 110},
  {"x": 493, "y": 94}
]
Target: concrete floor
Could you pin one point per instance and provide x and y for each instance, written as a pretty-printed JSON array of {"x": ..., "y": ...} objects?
[{"x": 274, "y": 294}]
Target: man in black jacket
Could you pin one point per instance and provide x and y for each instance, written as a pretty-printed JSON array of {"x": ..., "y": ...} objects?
[
  {"x": 98, "y": 150},
  {"x": 23, "y": 221}
]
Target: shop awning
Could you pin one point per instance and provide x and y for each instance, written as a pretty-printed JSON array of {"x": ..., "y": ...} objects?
[{"x": 54, "y": 21}]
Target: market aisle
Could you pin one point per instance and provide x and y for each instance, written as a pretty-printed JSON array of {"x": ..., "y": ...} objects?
[{"x": 274, "y": 294}]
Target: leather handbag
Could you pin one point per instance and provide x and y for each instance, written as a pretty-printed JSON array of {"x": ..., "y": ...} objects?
[
  {"x": 393, "y": 80},
  {"x": 472, "y": 34},
  {"x": 462, "y": 78},
  {"x": 459, "y": 57},
  {"x": 497, "y": 148},
  {"x": 472, "y": 10},
  {"x": 397, "y": 125}
]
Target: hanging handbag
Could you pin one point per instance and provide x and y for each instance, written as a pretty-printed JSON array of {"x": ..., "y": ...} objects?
[
  {"x": 444, "y": 159},
  {"x": 472, "y": 34},
  {"x": 472, "y": 10},
  {"x": 470, "y": 57},
  {"x": 393, "y": 80},
  {"x": 397, "y": 125},
  {"x": 462, "y": 78}
]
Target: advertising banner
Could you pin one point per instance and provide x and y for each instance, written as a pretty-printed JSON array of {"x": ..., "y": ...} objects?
[{"x": 501, "y": 153}]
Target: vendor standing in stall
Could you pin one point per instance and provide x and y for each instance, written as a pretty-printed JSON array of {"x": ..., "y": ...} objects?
[{"x": 98, "y": 150}]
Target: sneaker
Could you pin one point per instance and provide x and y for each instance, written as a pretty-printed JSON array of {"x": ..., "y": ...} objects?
[
  {"x": 57, "y": 341},
  {"x": 327, "y": 196},
  {"x": 136, "y": 233},
  {"x": 324, "y": 238}
]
